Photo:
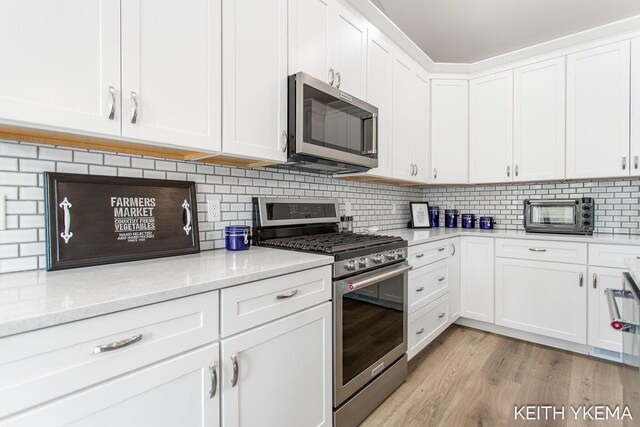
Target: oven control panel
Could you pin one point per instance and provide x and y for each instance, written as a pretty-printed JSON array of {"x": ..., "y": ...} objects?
[{"x": 370, "y": 261}]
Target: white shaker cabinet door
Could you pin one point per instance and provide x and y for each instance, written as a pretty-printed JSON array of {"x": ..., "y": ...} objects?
[
  {"x": 601, "y": 334},
  {"x": 282, "y": 374},
  {"x": 635, "y": 108},
  {"x": 61, "y": 64},
  {"x": 379, "y": 93},
  {"x": 402, "y": 113},
  {"x": 454, "y": 280},
  {"x": 309, "y": 38},
  {"x": 491, "y": 128},
  {"x": 449, "y": 131},
  {"x": 421, "y": 118},
  {"x": 171, "y": 60},
  {"x": 349, "y": 51},
  {"x": 539, "y": 121},
  {"x": 476, "y": 278},
  {"x": 254, "y": 75},
  {"x": 598, "y": 112}
]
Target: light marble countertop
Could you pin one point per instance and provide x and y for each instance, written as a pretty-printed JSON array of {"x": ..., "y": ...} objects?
[
  {"x": 38, "y": 299},
  {"x": 418, "y": 236}
]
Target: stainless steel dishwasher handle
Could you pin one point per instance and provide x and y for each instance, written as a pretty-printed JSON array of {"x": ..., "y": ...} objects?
[
  {"x": 117, "y": 345},
  {"x": 616, "y": 320}
]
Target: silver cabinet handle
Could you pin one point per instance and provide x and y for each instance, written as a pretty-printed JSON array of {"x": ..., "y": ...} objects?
[
  {"x": 435, "y": 173},
  {"x": 339, "y": 79},
  {"x": 112, "y": 104},
  {"x": 441, "y": 249},
  {"x": 421, "y": 330},
  {"x": 117, "y": 345},
  {"x": 508, "y": 170},
  {"x": 187, "y": 209},
  {"x": 416, "y": 174},
  {"x": 595, "y": 280},
  {"x": 419, "y": 255},
  {"x": 66, "y": 234},
  {"x": 134, "y": 108},
  {"x": 236, "y": 369},
  {"x": 214, "y": 380},
  {"x": 440, "y": 279},
  {"x": 288, "y": 294},
  {"x": 420, "y": 289},
  {"x": 453, "y": 250},
  {"x": 624, "y": 162},
  {"x": 581, "y": 278},
  {"x": 441, "y": 315},
  {"x": 284, "y": 141},
  {"x": 537, "y": 250},
  {"x": 332, "y": 75},
  {"x": 516, "y": 170},
  {"x": 635, "y": 161}
]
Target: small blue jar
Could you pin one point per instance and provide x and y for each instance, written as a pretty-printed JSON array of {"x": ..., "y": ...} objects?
[
  {"x": 237, "y": 237},
  {"x": 486, "y": 222},
  {"x": 434, "y": 216},
  {"x": 468, "y": 221},
  {"x": 451, "y": 218}
]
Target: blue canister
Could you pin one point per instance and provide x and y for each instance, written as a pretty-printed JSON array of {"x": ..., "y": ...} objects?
[
  {"x": 237, "y": 237},
  {"x": 434, "y": 216},
  {"x": 486, "y": 222},
  {"x": 451, "y": 218},
  {"x": 468, "y": 221}
]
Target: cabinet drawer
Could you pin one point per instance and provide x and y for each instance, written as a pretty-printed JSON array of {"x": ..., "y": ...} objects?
[
  {"x": 38, "y": 366},
  {"x": 427, "y": 283},
  {"x": 253, "y": 304},
  {"x": 542, "y": 250},
  {"x": 426, "y": 324},
  {"x": 428, "y": 253},
  {"x": 612, "y": 255}
]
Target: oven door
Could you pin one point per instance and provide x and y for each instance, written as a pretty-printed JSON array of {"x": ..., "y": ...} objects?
[
  {"x": 370, "y": 326},
  {"x": 558, "y": 216}
]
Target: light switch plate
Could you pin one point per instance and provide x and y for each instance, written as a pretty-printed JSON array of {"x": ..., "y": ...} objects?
[{"x": 213, "y": 209}]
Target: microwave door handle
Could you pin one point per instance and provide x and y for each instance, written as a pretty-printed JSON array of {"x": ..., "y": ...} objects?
[{"x": 374, "y": 134}]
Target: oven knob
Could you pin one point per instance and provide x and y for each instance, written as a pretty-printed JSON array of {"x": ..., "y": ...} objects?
[
  {"x": 363, "y": 262},
  {"x": 377, "y": 259},
  {"x": 391, "y": 255},
  {"x": 400, "y": 254},
  {"x": 351, "y": 264}
]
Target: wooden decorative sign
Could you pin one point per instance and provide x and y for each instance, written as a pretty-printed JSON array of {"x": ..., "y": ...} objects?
[{"x": 95, "y": 220}]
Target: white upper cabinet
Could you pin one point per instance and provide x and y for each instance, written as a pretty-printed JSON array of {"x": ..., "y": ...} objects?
[
  {"x": 254, "y": 74},
  {"x": 449, "y": 131},
  {"x": 379, "y": 90},
  {"x": 402, "y": 113},
  {"x": 491, "y": 128},
  {"x": 171, "y": 72},
  {"x": 61, "y": 64},
  {"x": 309, "y": 38},
  {"x": 635, "y": 107},
  {"x": 598, "y": 112},
  {"x": 421, "y": 118},
  {"x": 328, "y": 41},
  {"x": 539, "y": 121}
]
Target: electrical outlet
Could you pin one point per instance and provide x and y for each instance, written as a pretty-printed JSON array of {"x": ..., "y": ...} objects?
[{"x": 213, "y": 209}]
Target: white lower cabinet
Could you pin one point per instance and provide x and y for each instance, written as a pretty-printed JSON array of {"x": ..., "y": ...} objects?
[
  {"x": 427, "y": 284},
  {"x": 454, "y": 281},
  {"x": 476, "y": 278},
  {"x": 182, "y": 390},
  {"x": 426, "y": 324},
  {"x": 601, "y": 334},
  {"x": 544, "y": 298},
  {"x": 279, "y": 374}
]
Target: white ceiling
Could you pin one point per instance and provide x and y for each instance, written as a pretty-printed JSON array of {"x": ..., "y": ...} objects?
[{"x": 466, "y": 31}]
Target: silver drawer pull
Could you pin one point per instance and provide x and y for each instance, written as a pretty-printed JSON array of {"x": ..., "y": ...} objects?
[
  {"x": 288, "y": 294},
  {"x": 117, "y": 345},
  {"x": 187, "y": 210},
  {"x": 420, "y": 289},
  {"x": 419, "y": 255},
  {"x": 236, "y": 369},
  {"x": 537, "y": 250},
  {"x": 441, "y": 315},
  {"x": 214, "y": 380},
  {"x": 441, "y": 249},
  {"x": 66, "y": 234},
  {"x": 421, "y": 330},
  {"x": 440, "y": 279}
]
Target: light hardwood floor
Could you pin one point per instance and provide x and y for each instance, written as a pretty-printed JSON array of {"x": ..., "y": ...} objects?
[{"x": 469, "y": 377}]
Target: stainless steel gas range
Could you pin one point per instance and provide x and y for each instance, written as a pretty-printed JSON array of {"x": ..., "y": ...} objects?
[{"x": 370, "y": 275}]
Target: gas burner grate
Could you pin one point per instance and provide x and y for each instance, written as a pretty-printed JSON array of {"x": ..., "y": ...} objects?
[{"x": 331, "y": 242}]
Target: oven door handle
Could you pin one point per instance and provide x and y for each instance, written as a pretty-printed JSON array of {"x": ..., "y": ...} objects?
[{"x": 359, "y": 284}]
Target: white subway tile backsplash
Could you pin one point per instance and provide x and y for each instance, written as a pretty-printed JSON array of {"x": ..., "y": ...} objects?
[
  {"x": 58, "y": 154},
  {"x": 113, "y": 160},
  {"x": 15, "y": 178},
  {"x": 29, "y": 165},
  {"x": 13, "y": 149},
  {"x": 73, "y": 168},
  {"x": 87, "y": 157}
]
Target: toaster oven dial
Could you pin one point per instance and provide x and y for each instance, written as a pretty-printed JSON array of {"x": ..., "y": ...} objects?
[
  {"x": 350, "y": 265},
  {"x": 377, "y": 259},
  {"x": 363, "y": 262},
  {"x": 586, "y": 215},
  {"x": 586, "y": 223},
  {"x": 586, "y": 207}
]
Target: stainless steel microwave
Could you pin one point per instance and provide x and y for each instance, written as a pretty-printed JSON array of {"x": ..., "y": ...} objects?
[
  {"x": 566, "y": 216},
  {"x": 329, "y": 130}
]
